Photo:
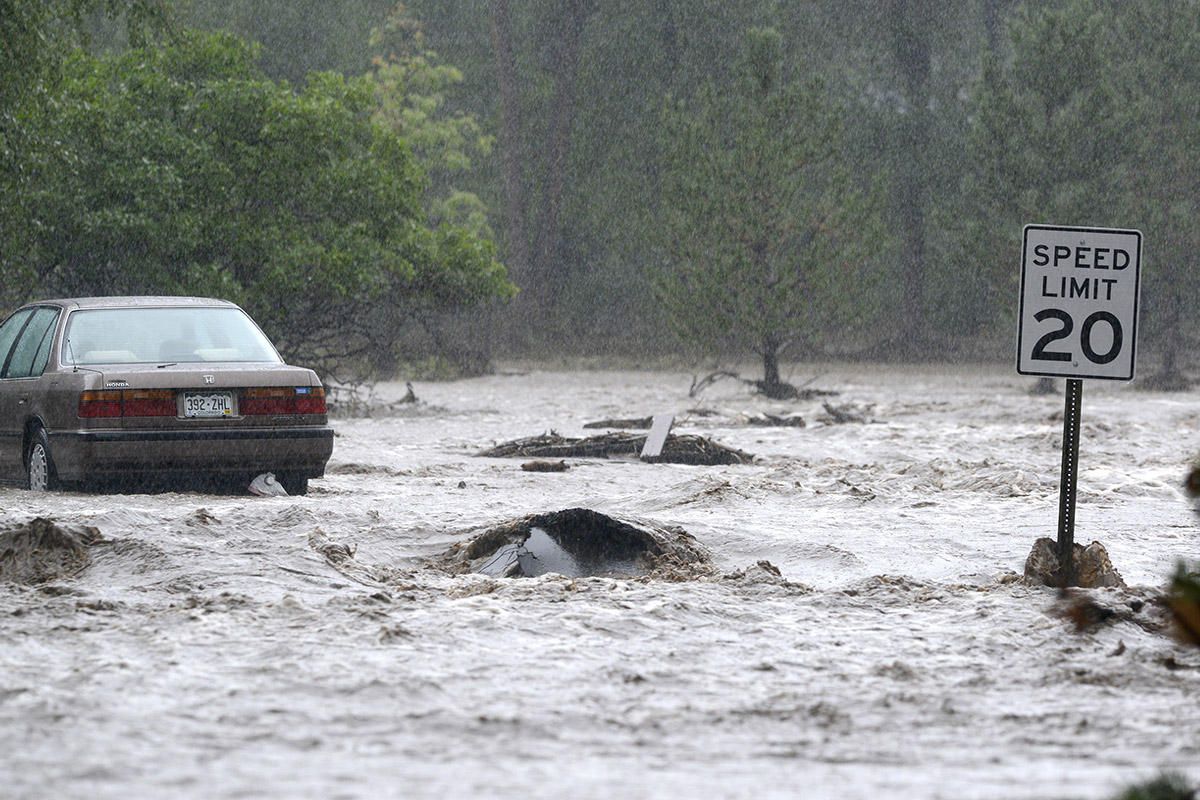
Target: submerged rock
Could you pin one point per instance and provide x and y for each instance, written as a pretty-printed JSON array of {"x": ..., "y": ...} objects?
[
  {"x": 40, "y": 551},
  {"x": 578, "y": 542},
  {"x": 1093, "y": 569}
]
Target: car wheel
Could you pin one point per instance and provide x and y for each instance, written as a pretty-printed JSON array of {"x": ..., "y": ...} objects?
[
  {"x": 40, "y": 465},
  {"x": 292, "y": 483}
]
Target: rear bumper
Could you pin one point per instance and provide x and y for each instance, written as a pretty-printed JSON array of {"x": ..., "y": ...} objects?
[{"x": 79, "y": 455}]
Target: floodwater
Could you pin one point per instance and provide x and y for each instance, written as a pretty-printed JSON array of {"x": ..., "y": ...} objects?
[{"x": 243, "y": 647}]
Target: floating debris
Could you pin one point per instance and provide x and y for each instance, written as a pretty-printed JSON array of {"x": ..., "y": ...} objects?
[
  {"x": 545, "y": 466},
  {"x": 686, "y": 449},
  {"x": 265, "y": 485},
  {"x": 640, "y": 423},
  {"x": 579, "y": 542},
  {"x": 840, "y": 415},
  {"x": 773, "y": 421},
  {"x": 656, "y": 439}
]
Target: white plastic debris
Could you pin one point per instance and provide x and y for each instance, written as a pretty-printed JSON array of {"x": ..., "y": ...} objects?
[{"x": 265, "y": 485}]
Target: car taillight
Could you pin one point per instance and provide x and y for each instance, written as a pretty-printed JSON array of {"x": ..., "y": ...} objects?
[
  {"x": 310, "y": 400},
  {"x": 289, "y": 400},
  {"x": 129, "y": 403},
  {"x": 99, "y": 404},
  {"x": 268, "y": 401},
  {"x": 149, "y": 403}
]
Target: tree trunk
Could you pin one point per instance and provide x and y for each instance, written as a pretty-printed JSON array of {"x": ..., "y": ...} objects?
[
  {"x": 912, "y": 220},
  {"x": 1044, "y": 386},
  {"x": 771, "y": 386},
  {"x": 1169, "y": 377},
  {"x": 992, "y": 25},
  {"x": 912, "y": 49},
  {"x": 562, "y": 120},
  {"x": 512, "y": 162}
]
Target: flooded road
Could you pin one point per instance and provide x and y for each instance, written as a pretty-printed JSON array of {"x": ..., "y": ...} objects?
[{"x": 862, "y": 632}]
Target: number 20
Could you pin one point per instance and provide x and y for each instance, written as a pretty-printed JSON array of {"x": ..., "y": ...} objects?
[{"x": 1040, "y": 353}]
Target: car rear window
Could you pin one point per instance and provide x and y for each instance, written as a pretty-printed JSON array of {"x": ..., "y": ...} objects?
[{"x": 164, "y": 336}]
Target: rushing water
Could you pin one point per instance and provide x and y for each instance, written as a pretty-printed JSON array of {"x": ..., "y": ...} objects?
[{"x": 234, "y": 647}]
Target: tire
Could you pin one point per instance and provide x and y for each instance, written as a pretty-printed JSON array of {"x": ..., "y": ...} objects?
[
  {"x": 39, "y": 464},
  {"x": 292, "y": 483}
]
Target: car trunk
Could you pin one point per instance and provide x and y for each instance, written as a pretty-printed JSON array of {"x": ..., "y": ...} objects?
[{"x": 193, "y": 396}]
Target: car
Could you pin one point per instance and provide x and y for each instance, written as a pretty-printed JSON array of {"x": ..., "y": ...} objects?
[{"x": 127, "y": 389}]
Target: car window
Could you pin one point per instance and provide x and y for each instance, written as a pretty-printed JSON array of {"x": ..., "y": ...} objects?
[
  {"x": 28, "y": 358},
  {"x": 8, "y": 333},
  {"x": 165, "y": 336}
]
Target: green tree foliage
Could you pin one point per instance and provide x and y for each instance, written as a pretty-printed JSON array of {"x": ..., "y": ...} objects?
[
  {"x": 411, "y": 84},
  {"x": 635, "y": 56},
  {"x": 1095, "y": 120},
  {"x": 635, "y": 53},
  {"x": 1165, "y": 786},
  {"x": 297, "y": 36},
  {"x": 1048, "y": 143},
  {"x": 188, "y": 171},
  {"x": 769, "y": 244},
  {"x": 1159, "y": 93},
  {"x": 1183, "y": 598},
  {"x": 36, "y": 36}
]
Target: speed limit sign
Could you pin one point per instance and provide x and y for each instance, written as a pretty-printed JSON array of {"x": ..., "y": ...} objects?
[{"x": 1079, "y": 302}]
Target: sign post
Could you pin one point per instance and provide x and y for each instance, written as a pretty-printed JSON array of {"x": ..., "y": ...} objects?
[
  {"x": 1078, "y": 319},
  {"x": 1068, "y": 480}
]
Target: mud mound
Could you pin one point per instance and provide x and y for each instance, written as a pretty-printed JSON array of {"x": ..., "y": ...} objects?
[
  {"x": 677, "y": 449},
  {"x": 1092, "y": 566},
  {"x": 40, "y": 551},
  {"x": 579, "y": 542}
]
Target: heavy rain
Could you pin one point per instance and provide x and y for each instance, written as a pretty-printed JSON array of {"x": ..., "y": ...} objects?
[{"x": 704, "y": 382}]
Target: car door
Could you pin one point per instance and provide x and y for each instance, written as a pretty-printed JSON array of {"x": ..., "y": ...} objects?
[
  {"x": 10, "y": 427},
  {"x": 23, "y": 363}
]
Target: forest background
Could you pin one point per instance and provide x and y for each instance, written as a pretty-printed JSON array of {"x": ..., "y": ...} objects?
[{"x": 458, "y": 181}]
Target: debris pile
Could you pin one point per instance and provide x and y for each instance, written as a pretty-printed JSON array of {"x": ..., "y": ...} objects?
[
  {"x": 358, "y": 402},
  {"x": 686, "y": 449}
]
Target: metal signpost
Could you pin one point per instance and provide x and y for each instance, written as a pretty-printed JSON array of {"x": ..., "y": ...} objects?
[{"x": 1078, "y": 319}]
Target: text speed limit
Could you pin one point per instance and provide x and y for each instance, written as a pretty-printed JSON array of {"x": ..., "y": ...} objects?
[{"x": 1079, "y": 302}]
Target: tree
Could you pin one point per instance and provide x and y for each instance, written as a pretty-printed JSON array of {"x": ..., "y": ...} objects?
[
  {"x": 911, "y": 25},
  {"x": 1048, "y": 143},
  {"x": 536, "y": 263},
  {"x": 297, "y": 36},
  {"x": 411, "y": 85},
  {"x": 188, "y": 171},
  {"x": 1159, "y": 88},
  {"x": 36, "y": 36},
  {"x": 1095, "y": 120},
  {"x": 769, "y": 244}
]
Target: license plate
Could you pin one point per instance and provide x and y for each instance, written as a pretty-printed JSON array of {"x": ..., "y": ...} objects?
[{"x": 208, "y": 404}]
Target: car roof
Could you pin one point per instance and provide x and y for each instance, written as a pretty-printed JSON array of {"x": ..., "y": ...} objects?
[{"x": 140, "y": 301}]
